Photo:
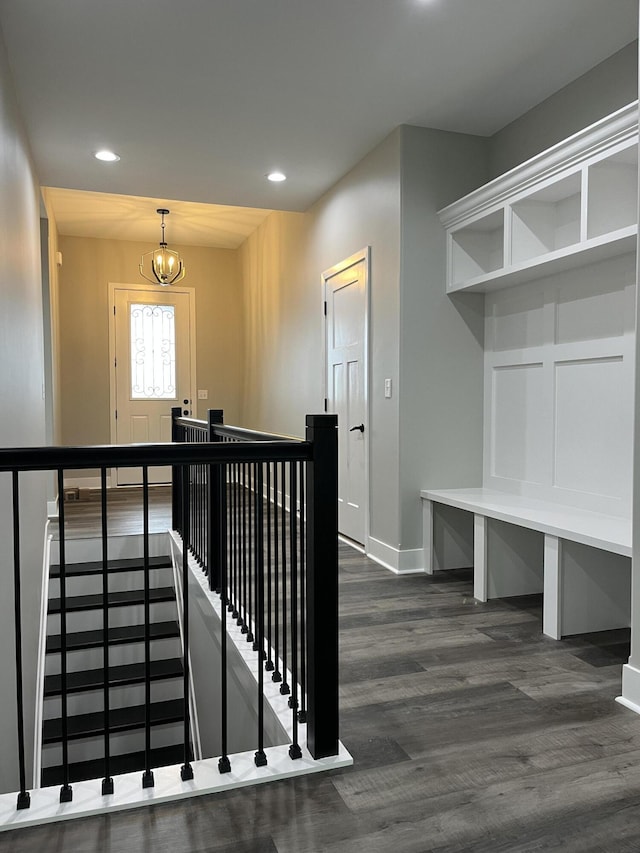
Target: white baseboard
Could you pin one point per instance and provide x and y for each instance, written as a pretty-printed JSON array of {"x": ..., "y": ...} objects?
[
  {"x": 630, "y": 688},
  {"x": 85, "y": 482},
  {"x": 409, "y": 562}
]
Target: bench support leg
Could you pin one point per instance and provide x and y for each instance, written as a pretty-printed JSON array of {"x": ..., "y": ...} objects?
[
  {"x": 427, "y": 536},
  {"x": 480, "y": 579},
  {"x": 552, "y": 598}
]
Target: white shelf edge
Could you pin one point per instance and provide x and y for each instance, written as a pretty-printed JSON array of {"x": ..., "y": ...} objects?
[
  {"x": 604, "y": 134},
  {"x": 606, "y": 246}
]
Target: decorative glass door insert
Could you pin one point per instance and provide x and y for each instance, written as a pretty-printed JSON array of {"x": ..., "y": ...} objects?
[{"x": 153, "y": 351}]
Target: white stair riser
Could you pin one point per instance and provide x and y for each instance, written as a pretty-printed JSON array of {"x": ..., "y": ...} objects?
[
  {"x": 82, "y": 659},
  {"x": 120, "y": 548},
  {"x": 120, "y": 743},
  {"x": 89, "y": 620},
  {"x": 118, "y": 582},
  {"x": 119, "y": 697}
]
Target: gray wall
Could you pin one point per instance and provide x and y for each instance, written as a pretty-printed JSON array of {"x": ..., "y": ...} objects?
[
  {"x": 21, "y": 391},
  {"x": 282, "y": 265},
  {"x": 441, "y": 338},
  {"x": 602, "y": 90}
]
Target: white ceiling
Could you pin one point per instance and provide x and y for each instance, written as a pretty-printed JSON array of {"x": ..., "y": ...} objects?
[{"x": 201, "y": 98}]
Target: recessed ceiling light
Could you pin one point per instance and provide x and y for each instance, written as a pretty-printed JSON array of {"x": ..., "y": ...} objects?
[
  {"x": 106, "y": 156},
  {"x": 276, "y": 177}
]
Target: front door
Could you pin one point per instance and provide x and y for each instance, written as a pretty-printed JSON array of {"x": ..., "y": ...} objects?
[
  {"x": 346, "y": 385},
  {"x": 152, "y": 369}
]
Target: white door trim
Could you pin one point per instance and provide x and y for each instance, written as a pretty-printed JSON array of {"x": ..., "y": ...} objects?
[
  {"x": 357, "y": 257},
  {"x": 144, "y": 288}
]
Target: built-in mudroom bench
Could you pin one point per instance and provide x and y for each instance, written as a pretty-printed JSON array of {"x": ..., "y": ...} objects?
[
  {"x": 579, "y": 559},
  {"x": 552, "y": 245}
]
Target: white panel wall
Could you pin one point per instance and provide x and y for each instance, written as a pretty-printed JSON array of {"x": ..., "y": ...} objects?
[{"x": 558, "y": 387}]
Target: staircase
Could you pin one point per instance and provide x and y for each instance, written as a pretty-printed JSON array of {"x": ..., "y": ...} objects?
[{"x": 85, "y": 670}]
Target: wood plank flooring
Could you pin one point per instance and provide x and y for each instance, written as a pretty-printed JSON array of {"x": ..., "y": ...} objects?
[
  {"x": 470, "y": 732},
  {"x": 124, "y": 512}
]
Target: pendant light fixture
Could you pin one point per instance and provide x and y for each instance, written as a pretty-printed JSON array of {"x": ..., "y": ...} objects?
[{"x": 162, "y": 266}]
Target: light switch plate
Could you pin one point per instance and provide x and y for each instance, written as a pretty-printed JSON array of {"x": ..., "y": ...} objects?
[{"x": 387, "y": 389}]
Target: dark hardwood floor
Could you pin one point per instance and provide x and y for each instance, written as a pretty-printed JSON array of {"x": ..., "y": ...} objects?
[{"x": 470, "y": 732}]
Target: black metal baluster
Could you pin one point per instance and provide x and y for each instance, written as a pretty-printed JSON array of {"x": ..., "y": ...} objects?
[
  {"x": 207, "y": 474},
  {"x": 224, "y": 765},
  {"x": 260, "y": 757},
  {"x": 269, "y": 664},
  {"x": 186, "y": 771},
  {"x": 107, "y": 782},
  {"x": 194, "y": 513},
  {"x": 24, "y": 798},
  {"x": 200, "y": 527},
  {"x": 177, "y": 435},
  {"x": 302, "y": 713},
  {"x": 242, "y": 620},
  {"x": 251, "y": 556},
  {"x": 66, "y": 792},
  {"x": 212, "y": 520},
  {"x": 277, "y": 676},
  {"x": 294, "y": 749},
  {"x": 234, "y": 551},
  {"x": 284, "y": 687},
  {"x": 147, "y": 776},
  {"x": 203, "y": 517}
]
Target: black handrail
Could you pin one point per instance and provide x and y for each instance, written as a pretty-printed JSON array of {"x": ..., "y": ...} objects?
[{"x": 135, "y": 455}]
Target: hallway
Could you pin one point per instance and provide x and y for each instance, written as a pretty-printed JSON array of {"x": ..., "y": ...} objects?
[{"x": 469, "y": 729}]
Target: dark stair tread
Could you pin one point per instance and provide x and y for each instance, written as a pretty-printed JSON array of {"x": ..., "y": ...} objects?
[
  {"x": 128, "y": 763},
  {"x": 120, "y": 720},
  {"x": 95, "y": 568},
  {"x": 117, "y": 636},
  {"x": 116, "y": 599},
  {"x": 119, "y": 676}
]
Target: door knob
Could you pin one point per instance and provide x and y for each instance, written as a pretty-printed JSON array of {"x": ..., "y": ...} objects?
[{"x": 359, "y": 427}]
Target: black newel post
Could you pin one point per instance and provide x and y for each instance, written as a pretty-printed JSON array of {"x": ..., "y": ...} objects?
[
  {"x": 322, "y": 586},
  {"x": 216, "y": 508},
  {"x": 176, "y": 473}
]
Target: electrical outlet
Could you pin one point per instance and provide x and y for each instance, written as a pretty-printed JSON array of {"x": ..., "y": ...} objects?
[
  {"x": 203, "y": 394},
  {"x": 387, "y": 389}
]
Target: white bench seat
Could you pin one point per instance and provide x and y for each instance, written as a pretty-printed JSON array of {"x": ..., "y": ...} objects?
[{"x": 584, "y": 590}]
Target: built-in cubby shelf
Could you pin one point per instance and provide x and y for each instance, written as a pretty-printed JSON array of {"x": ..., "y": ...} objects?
[{"x": 572, "y": 205}]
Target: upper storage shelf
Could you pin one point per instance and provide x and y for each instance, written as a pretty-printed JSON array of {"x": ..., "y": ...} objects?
[{"x": 571, "y": 205}]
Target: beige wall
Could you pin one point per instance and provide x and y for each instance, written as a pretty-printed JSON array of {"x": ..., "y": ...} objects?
[
  {"x": 23, "y": 422},
  {"x": 89, "y": 265},
  {"x": 53, "y": 354}
]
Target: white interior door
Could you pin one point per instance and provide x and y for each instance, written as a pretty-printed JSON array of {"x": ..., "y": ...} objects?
[
  {"x": 152, "y": 369},
  {"x": 346, "y": 312}
]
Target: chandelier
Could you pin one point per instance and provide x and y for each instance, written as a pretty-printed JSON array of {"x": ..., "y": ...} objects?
[{"x": 162, "y": 266}]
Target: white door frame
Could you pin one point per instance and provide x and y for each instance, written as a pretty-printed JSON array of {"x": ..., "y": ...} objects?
[
  {"x": 362, "y": 255},
  {"x": 145, "y": 288}
]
